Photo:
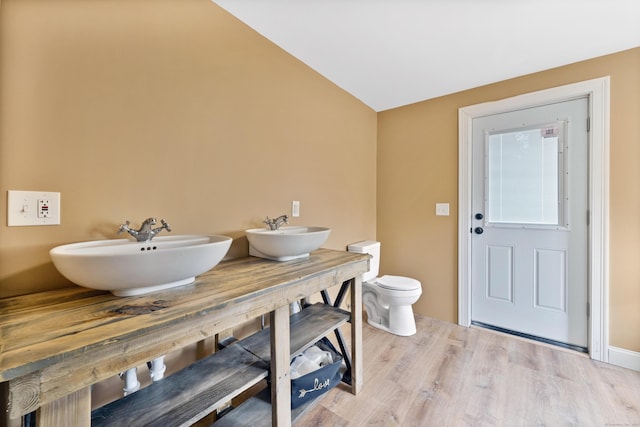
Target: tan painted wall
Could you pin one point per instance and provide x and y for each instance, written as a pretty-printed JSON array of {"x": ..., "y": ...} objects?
[
  {"x": 417, "y": 167},
  {"x": 174, "y": 109}
]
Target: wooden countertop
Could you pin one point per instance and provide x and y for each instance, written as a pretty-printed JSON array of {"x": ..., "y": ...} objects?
[{"x": 57, "y": 342}]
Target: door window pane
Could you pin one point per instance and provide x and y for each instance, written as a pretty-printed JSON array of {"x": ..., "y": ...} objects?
[{"x": 524, "y": 177}]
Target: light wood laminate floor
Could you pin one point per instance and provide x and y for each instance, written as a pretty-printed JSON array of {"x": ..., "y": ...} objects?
[{"x": 447, "y": 375}]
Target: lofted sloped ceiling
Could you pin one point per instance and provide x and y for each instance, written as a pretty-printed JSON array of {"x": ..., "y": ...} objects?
[{"x": 390, "y": 53}]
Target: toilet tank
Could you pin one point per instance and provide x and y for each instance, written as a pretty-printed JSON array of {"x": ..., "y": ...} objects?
[{"x": 372, "y": 248}]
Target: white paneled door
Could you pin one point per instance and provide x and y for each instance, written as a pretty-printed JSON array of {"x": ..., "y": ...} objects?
[{"x": 529, "y": 249}]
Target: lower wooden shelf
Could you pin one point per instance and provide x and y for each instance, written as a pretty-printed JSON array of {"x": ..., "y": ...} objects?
[
  {"x": 188, "y": 395},
  {"x": 192, "y": 393},
  {"x": 255, "y": 412}
]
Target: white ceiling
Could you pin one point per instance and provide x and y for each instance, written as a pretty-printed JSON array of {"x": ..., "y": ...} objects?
[{"x": 390, "y": 53}]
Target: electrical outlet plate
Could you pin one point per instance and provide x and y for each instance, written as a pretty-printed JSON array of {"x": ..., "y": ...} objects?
[
  {"x": 26, "y": 208},
  {"x": 295, "y": 208}
]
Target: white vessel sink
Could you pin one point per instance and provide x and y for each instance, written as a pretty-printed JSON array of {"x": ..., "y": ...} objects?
[
  {"x": 286, "y": 243},
  {"x": 126, "y": 267}
]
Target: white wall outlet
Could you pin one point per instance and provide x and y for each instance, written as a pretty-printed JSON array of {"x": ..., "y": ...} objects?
[
  {"x": 442, "y": 209},
  {"x": 295, "y": 208},
  {"x": 43, "y": 208},
  {"x": 32, "y": 208}
]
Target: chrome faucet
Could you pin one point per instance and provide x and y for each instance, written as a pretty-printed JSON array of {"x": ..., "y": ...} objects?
[
  {"x": 275, "y": 224},
  {"x": 146, "y": 231}
]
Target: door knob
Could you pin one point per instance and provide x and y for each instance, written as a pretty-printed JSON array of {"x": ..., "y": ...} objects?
[
  {"x": 479, "y": 216},
  {"x": 478, "y": 230}
]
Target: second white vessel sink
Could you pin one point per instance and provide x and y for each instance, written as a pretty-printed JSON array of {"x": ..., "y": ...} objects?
[
  {"x": 286, "y": 243},
  {"x": 127, "y": 267}
]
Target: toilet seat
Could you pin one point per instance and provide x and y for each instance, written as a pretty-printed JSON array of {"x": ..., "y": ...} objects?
[{"x": 398, "y": 283}]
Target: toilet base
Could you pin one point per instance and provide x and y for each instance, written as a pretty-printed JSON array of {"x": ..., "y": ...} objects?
[
  {"x": 401, "y": 322},
  {"x": 391, "y": 309}
]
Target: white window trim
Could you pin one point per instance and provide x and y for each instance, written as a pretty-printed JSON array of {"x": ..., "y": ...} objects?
[{"x": 597, "y": 90}]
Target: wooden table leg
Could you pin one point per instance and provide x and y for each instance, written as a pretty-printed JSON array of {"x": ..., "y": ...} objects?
[
  {"x": 5, "y": 420},
  {"x": 280, "y": 368},
  {"x": 356, "y": 335},
  {"x": 71, "y": 410}
]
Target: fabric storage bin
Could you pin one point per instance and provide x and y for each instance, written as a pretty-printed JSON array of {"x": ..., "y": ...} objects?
[{"x": 314, "y": 384}]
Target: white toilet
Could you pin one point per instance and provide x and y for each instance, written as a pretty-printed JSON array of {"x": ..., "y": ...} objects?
[{"x": 387, "y": 299}]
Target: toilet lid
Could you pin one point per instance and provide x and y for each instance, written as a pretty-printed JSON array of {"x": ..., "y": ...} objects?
[{"x": 398, "y": 283}]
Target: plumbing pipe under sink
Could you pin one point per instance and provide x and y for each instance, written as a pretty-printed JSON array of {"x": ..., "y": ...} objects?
[
  {"x": 131, "y": 383},
  {"x": 157, "y": 368},
  {"x": 130, "y": 376}
]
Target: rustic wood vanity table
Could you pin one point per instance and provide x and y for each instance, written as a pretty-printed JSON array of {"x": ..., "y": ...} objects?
[{"x": 56, "y": 344}]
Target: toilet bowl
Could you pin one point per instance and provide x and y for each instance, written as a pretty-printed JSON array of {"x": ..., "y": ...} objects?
[{"x": 387, "y": 299}]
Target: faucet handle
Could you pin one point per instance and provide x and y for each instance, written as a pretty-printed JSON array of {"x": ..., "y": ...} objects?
[
  {"x": 165, "y": 225},
  {"x": 124, "y": 227}
]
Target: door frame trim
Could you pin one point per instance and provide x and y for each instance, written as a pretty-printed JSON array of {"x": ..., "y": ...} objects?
[{"x": 598, "y": 93}]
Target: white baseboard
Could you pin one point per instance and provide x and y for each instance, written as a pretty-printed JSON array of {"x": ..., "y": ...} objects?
[{"x": 625, "y": 358}]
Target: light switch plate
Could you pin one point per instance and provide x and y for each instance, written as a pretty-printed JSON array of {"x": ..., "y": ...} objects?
[
  {"x": 26, "y": 208},
  {"x": 442, "y": 209}
]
